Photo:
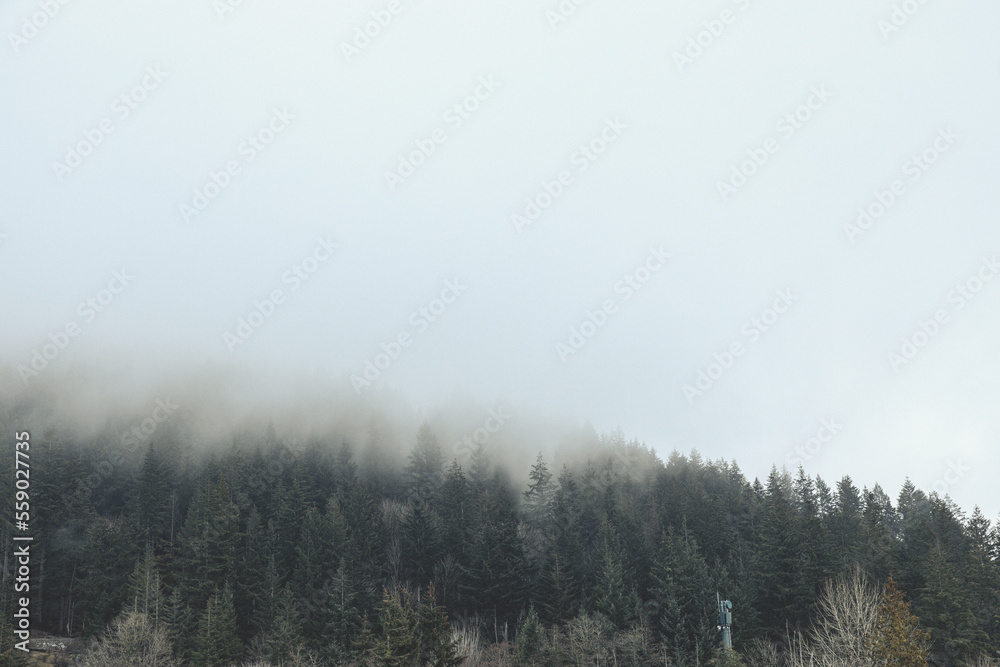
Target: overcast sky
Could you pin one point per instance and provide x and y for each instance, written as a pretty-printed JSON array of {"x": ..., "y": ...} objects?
[{"x": 592, "y": 203}]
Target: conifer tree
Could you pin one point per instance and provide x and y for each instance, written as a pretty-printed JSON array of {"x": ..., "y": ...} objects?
[
  {"x": 437, "y": 647},
  {"x": 218, "y": 644},
  {"x": 497, "y": 572},
  {"x": 681, "y": 599},
  {"x": 614, "y": 594},
  {"x": 145, "y": 593},
  {"x": 897, "y": 640},
  {"x": 538, "y": 506},
  {"x": 426, "y": 468}
]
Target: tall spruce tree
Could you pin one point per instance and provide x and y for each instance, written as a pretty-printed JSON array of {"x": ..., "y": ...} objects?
[
  {"x": 218, "y": 644},
  {"x": 681, "y": 599}
]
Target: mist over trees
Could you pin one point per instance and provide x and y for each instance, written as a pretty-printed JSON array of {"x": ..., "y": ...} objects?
[{"x": 327, "y": 551}]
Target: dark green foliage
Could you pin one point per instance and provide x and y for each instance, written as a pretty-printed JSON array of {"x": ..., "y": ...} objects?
[
  {"x": 682, "y": 599},
  {"x": 218, "y": 644},
  {"x": 614, "y": 595},
  {"x": 413, "y": 633},
  {"x": 266, "y": 551},
  {"x": 497, "y": 574}
]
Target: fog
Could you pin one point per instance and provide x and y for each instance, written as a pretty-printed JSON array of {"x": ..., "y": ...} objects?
[{"x": 762, "y": 230}]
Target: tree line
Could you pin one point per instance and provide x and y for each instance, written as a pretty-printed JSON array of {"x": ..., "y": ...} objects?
[{"x": 269, "y": 554}]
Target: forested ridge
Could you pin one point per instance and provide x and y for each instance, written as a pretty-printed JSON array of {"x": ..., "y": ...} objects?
[{"x": 331, "y": 553}]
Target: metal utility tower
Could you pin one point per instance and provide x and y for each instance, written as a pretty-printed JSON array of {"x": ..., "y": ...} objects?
[{"x": 725, "y": 621}]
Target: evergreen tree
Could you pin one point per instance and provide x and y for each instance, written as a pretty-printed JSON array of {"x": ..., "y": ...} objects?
[
  {"x": 399, "y": 645},
  {"x": 681, "y": 599},
  {"x": 426, "y": 467},
  {"x": 421, "y": 545},
  {"x": 437, "y": 648},
  {"x": 145, "y": 594},
  {"x": 181, "y": 624},
  {"x": 781, "y": 563},
  {"x": 530, "y": 638},
  {"x": 614, "y": 595},
  {"x": 153, "y": 498},
  {"x": 218, "y": 644},
  {"x": 345, "y": 620},
  {"x": 284, "y": 638},
  {"x": 497, "y": 572},
  {"x": 538, "y": 502},
  {"x": 845, "y": 525},
  {"x": 208, "y": 543},
  {"x": 897, "y": 640}
]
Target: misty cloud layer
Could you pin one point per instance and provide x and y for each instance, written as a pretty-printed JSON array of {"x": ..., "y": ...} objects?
[{"x": 763, "y": 230}]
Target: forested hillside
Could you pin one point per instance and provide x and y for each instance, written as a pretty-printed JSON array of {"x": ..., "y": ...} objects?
[{"x": 337, "y": 553}]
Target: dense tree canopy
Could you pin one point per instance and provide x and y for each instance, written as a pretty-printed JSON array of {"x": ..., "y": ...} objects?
[{"x": 265, "y": 551}]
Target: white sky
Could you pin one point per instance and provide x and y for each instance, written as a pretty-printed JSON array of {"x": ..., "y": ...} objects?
[{"x": 682, "y": 129}]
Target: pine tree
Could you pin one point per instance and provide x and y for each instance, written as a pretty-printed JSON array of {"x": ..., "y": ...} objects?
[
  {"x": 681, "y": 598},
  {"x": 560, "y": 591},
  {"x": 110, "y": 554},
  {"x": 145, "y": 593},
  {"x": 181, "y": 625},
  {"x": 530, "y": 638},
  {"x": 538, "y": 502},
  {"x": 208, "y": 542},
  {"x": 426, "y": 467},
  {"x": 399, "y": 645},
  {"x": 614, "y": 594},
  {"x": 345, "y": 472},
  {"x": 455, "y": 512},
  {"x": 897, "y": 640},
  {"x": 437, "y": 647},
  {"x": 781, "y": 562},
  {"x": 284, "y": 638},
  {"x": 497, "y": 572},
  {"x": 480, "y": 469},
  {"x": 845, "y": 525},
  {"x": 421, "y": 544},
  {"x": 218, "y": 644},
  {"x": 815, "y": 541},
  {"x": 152, "y": 497},
  {"x": 947, "y": 609},
  {"x": 345, "y": 620},
  {"x": 982, "y": 572}
]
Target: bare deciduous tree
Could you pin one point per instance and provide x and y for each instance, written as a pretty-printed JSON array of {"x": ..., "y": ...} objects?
[
  {"x": 840, "y": 635},
  {"x": 133, "y": 640}
]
